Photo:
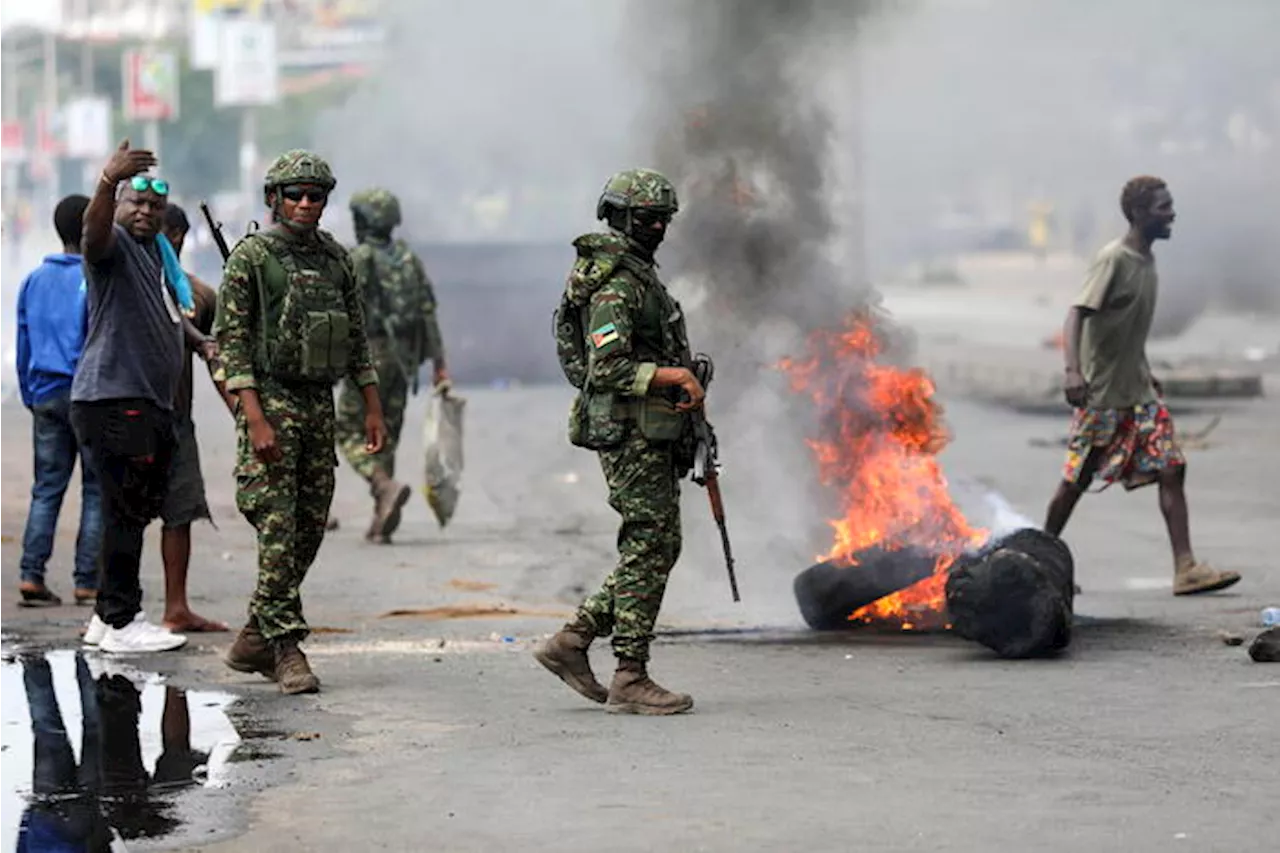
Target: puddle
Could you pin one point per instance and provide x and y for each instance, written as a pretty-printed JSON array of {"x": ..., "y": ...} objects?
[{"x": 95, "y": 751}]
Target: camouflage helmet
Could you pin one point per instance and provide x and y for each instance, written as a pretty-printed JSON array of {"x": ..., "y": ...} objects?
[
  {"x": 378, "y": 207},
  {"x": 638, "y": 188},
  {"x": 298, "y": 166}
]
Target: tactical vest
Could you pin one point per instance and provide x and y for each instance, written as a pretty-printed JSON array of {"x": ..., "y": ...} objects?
[
  {"x": 600, "y": 420},
  {"x": 304, "y": 327}
]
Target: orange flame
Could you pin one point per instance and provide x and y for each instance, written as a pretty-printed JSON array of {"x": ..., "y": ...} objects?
[{"x": 880, "y": 433}]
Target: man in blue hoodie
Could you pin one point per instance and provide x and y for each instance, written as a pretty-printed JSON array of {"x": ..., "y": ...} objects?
[{"x": 51, "y": 330}]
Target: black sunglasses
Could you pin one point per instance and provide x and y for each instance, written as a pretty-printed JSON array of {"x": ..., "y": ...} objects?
[
  {"x": 651, "y": 217},
  {"x": 298, "y": 193}
]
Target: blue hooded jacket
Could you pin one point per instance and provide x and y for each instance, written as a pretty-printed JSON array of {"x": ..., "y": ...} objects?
[{"x": 51, "y": 328}]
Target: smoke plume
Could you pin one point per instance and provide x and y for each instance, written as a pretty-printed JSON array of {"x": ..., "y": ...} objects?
[
  {"x": 743, "y": 121},
  {"x": 741, "y": 111}
]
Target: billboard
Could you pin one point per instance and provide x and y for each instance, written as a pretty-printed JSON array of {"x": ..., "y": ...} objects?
[
  {"x": 150, "y": 85},
  {"x": 328, "y": 33},
  {"x": 205, "y": 22},
  {"x": 248, "y": 72}
]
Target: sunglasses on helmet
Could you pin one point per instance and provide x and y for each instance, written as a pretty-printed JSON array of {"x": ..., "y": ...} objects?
[
  {"x": 296, "y": 193},
  {"x": 141, "y": 183}
]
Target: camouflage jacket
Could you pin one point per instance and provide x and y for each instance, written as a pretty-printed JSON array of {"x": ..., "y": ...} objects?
[
  {"x": 400, "y": 302},
  {"x": 633, "y": 325},
  {"x": 238, "y": 324}
]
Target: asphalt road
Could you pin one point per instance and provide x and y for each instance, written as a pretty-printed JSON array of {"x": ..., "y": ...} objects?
[{"x": 437, "y": 731}]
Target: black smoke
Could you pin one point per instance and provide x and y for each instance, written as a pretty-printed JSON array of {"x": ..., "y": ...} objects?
[{"x": 742, "y": 110}]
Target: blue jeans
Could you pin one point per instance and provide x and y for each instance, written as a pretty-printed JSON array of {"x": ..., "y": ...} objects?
[{"x": 56, "y": 449}]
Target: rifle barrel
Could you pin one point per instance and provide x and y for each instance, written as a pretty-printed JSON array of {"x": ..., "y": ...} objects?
[
  {"x": 717, "y": 512},
  {"x": 215, "y": 228}
]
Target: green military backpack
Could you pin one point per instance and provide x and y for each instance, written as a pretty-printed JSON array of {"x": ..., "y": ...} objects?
[
  {"x": 400, "y": 291},
  {"x": 305, "y": 334},
  {"x": 598, "y": 256}
]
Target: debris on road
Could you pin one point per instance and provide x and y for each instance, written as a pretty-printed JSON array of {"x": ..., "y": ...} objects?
[
  {"x": 1266, "y": 647},
  {"x": 1231, "y": 639}
]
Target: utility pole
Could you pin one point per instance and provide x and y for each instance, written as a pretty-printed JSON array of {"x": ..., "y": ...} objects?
[
  {"x": 50, "y": 98},
  {"x": 86, "y": 50},
  {"x": 248, "y": 158},
  {"x": 89, "y": 167},
  {"x": 9, "y": 175},
  {"x": 151, "y": 128}
]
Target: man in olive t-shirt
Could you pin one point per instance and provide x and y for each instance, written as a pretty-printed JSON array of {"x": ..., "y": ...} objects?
[{"x": 1122, "y": 430}]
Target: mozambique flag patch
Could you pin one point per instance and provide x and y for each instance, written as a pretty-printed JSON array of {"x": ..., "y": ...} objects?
[{"x": 605, "y": 335}]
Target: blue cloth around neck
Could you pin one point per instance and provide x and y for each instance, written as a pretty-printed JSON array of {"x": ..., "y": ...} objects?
[{"x": 176, "y": 277}]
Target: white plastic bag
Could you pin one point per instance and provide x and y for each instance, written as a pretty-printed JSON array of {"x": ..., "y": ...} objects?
[{"x": 442, "y": 439}]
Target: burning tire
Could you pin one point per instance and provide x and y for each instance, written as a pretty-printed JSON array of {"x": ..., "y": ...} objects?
[
  {"x": 1015, "y": 596},
  {"x": 829, "y": 592}
]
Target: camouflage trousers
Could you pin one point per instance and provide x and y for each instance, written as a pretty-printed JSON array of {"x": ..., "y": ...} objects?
[
  {"x": 643, "y": 490},
  {"x": 287, "y": 501},
  {"x": 393, "y": 391}
]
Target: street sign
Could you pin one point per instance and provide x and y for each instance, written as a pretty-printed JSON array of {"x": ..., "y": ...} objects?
[
  {"x": 247, "y": 73},
  {"x": 150, "y": 85}
]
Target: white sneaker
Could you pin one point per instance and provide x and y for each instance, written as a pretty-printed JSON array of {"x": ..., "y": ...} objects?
[
  {"x": 98, "y": 629},
  {"x": 139, "y": 637},
  {"x": 101, "y": 666}
]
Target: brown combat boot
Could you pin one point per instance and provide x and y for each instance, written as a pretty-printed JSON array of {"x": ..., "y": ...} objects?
[
  {"x": 292, "y": 670},
  {"x": 1191, "y": 578},
  {"x": 389, "y": 497},
  {"x": 250, "y": 652},
  {"x": 634, "y": 692},
  {"x": 565, "y": 654}
]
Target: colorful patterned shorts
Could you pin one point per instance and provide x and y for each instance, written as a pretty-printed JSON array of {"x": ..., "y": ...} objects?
[{"x": 1134, "y": 444}]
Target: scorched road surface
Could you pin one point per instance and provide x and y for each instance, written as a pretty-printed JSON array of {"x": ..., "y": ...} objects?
[{"x": 437, "y": 731}]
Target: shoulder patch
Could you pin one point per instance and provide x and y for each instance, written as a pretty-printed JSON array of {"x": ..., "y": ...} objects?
[{"x": 603, "y": 336}]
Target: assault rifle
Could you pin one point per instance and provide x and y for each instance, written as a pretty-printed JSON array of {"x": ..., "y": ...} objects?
[{"x": 706, "y": 463}]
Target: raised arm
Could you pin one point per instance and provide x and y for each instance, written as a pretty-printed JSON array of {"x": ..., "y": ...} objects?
[{"x": 99, "y": 217}]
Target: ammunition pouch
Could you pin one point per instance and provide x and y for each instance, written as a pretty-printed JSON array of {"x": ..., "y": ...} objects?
[
  {"x": 601, "y": 421},
  {"x": 655, "y": 416},
  {"x": 593, "y": 423}
]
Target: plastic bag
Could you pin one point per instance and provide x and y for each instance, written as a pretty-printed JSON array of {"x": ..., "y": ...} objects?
[{"x": 442, "y": 439}]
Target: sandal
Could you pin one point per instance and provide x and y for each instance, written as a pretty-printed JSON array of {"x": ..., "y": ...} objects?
[{"x": 40, "y": 596}]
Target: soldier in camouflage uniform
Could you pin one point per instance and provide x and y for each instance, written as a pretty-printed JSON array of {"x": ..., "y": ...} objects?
[
  {"x": 289, "y": 324},
  {"x": 400, "y": 318},
  {"x": 621, "y": 340}
]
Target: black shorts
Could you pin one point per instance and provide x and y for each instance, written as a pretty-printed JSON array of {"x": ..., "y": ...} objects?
[{"x": 185, "y": 501}]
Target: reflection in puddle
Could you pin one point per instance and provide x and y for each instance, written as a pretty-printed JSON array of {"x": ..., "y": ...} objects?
[{"x": 93, "y": 751}]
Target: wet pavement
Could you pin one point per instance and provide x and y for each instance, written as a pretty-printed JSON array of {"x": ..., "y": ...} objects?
[
  {"x": 98, "y": 754},
  {"x": 435, "y": 728}
]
